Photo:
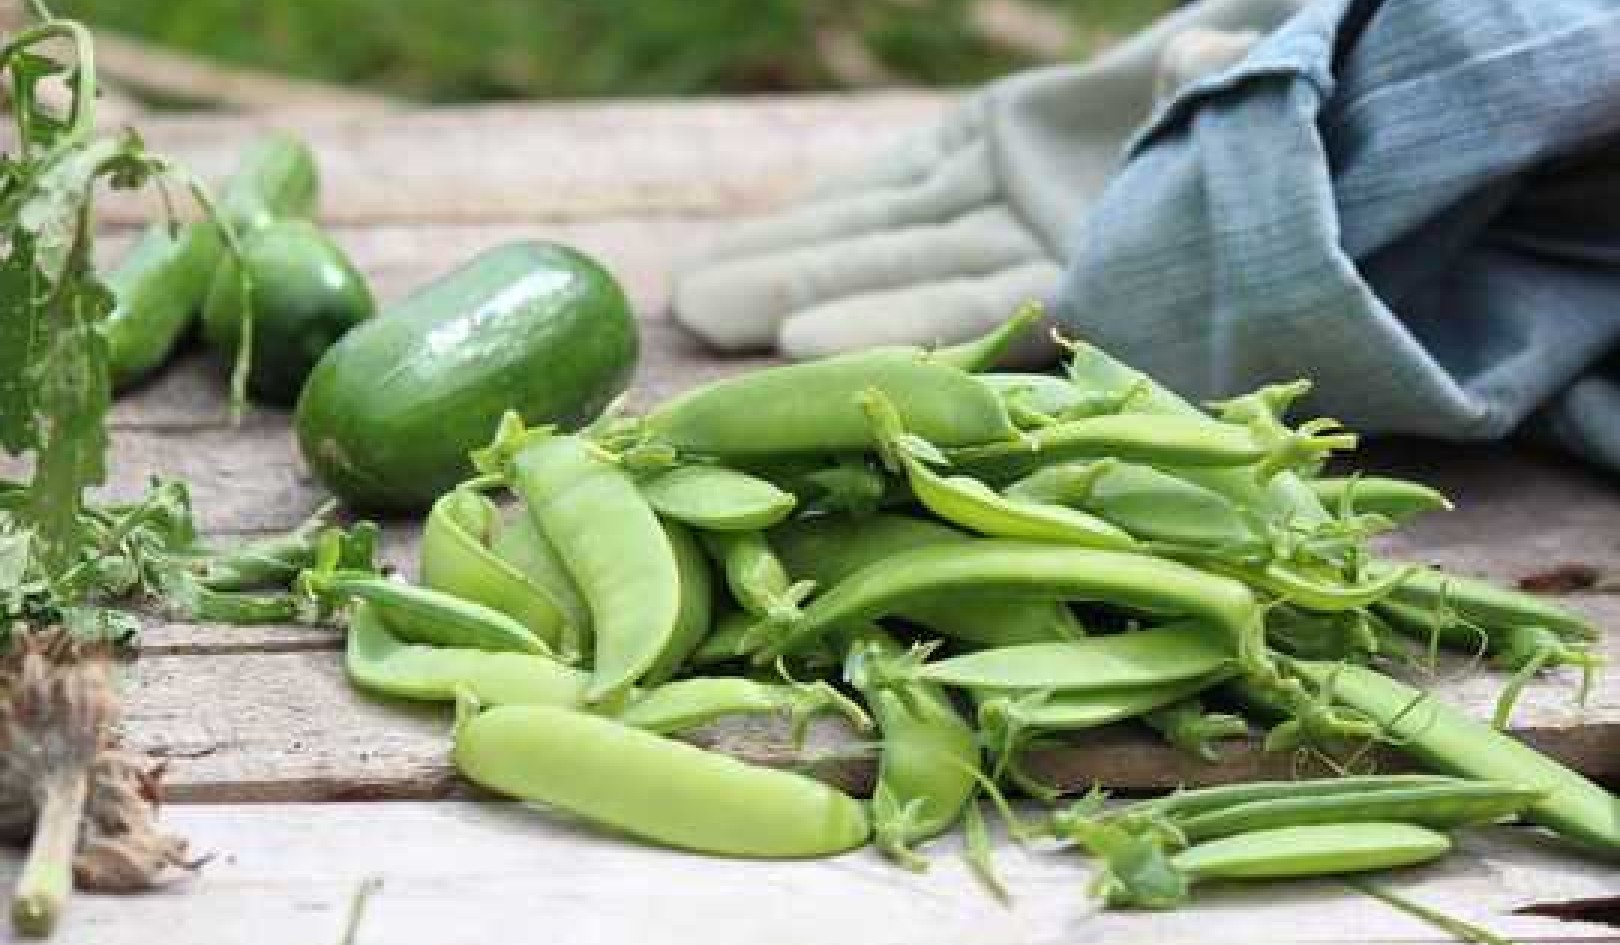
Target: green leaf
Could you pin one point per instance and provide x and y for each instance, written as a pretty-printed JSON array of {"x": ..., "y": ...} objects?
[{"x": 19, "y": 328}]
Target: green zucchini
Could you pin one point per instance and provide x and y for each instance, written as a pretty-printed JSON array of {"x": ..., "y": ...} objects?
[
  {"x": 162, "y": 283},
  {"x": 304, "y": 294},
  {"x": 389, "y": 415}
]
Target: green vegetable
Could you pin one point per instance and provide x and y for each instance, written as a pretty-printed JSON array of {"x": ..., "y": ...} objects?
[
  {"x": 389, "y": 415},
  {"x": 1317, "y": 850}
]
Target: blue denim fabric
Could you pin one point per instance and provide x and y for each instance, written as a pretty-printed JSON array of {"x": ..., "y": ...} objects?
[{"x": 1414, "y": 202}]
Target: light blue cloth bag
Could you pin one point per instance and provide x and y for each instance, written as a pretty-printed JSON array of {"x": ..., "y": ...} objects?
[{"x": 1416, "y": 203}]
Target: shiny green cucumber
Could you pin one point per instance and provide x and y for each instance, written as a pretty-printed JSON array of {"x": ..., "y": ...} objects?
[{"x": 389, "y": 415}]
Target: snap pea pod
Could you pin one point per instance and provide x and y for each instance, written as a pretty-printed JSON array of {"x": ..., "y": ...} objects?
[
  {"x": 1446, "y": 739},
  {"x": 1444, "y": 806},
  {"x": 695, "y": 616},
  {"x": 1160, "y": 440},
  {"x": 518, "y": 542},
  {"x": 688, "y": 703},
  {"x": 1042, "y": 397},
  {"x": 268, "y": 562},
  {"x": 1148, "y": 503},
  {"x": 967, "y": 502},
  {"x": 1315, "y": 850},
  {"x": 827, "y": 550},
  {"x": 1482, "y": 603},
  {"x": 1398, "y": 499},
  {"x": 609, "y": 539},
  {"x": 757, "y": 580},
  {"x": 378, "y": 661},
  {"x": 421, "y": 615},
  {"x": 837, "y": 485},
  {"x": 810, "y": 407},
  {"x": 716, "y": 498},
  {"x": 983, "y": 353},
  {"x": 1012, "y": 711},
  {"x": 1189, "y": 803},
  {"x": 653, "y": 787},
  {"x": 1141, "y": 658},
  {"x": 456, "y": 559},
  {"x": 930, "y": 754},
  {"x": 1139, "y": 582},
  {"x": 1323, "y": 591}
]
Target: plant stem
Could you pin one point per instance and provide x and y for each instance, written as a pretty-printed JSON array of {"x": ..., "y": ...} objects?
[{"x": 47, "y": 877}]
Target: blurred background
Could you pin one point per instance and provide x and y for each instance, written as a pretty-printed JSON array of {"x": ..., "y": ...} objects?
[{"x": 198, "y": 52}]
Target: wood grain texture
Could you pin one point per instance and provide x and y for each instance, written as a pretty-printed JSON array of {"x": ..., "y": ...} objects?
[{"x": 453, "y": 873}]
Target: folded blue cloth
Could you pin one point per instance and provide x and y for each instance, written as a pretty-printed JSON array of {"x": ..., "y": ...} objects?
[{"x": 1416, "y": 203}]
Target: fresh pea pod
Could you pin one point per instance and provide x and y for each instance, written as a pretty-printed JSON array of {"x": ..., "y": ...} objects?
[
  {"x": 836, "y": 485},
  {"x": 983, "y": 353},
  {"x": 695, "y": 616},
  {"x": 1444, "y": 738},
  {"x": 1148, "y": 503},
  {"x": 1160, "y": 440},
  {"x": 716, "y": 498},
  {"x": 1140, "y": 658},
  {"x": 608, "y": 537},
  {"x": 971, "y": 504},
  {"x": 421, "y": 615},
  {"x": 1042, "y": 398},
  {"x": 1437, "y": 806},
  {"x": 810, "y": 407},
  {"x": 1190, "y": 803},
  {"x": 1316, "y": 850},
  {"x": 758, "y": 582},
  {"x": 829, "y": 549},
  {"x": 456, "y": 560},
  {"x": 653, "y": 787},
  {"x": 1397, "y": 499},
  {"x": 518, "y": 542},
  {"x": 688, "y": 703},
  {"x": 379, "y": 662},
  {"x": 926, "y": 773},
  {"x": 1482, "y": 603},
  {"x": 1010, "y": 712}
]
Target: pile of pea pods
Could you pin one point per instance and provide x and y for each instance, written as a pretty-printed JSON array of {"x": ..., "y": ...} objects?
[{"x": 961, "y": 563}]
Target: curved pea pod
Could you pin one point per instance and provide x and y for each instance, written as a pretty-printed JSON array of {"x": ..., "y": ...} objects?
[
  {"x": 422, "y": 615},
  {"x": 518, "y": 542},
  {"x": 716, "y": 498},
  {"x": 1138, "y": 582},
  {"x": 1398, "y": 499},
  {"x": 1141, "y": 438},
  {"x": 456, "y": 560},
  {"x": 1188, "y": 803},
  {"x": 688, "y": 703},
  {"x": 380, "y": 662},
  {"x": 810, "y": 407},
  {"x": 592, "y": 513},
  {"x": 1140, "y": 658},
  {"x": 1446, "y": 739},
  {"x": 1014, "y": 711},
  {"x": 1150, "y": 504},
  {"x": 1481, "y": 602},
  {"x": 1314, "y": 589},
  {"x": 986, "y": 351},
  {"x": 971, "y": 504},
  {"x": 653, "y": 787},
  {"x": 1035, "y": 400},
  {"x": 696, "y": 614},
  {"x": 1436, "y": 806},
  {"x": 926, "y": 772},
  {"x": 1317, "y": 850}
]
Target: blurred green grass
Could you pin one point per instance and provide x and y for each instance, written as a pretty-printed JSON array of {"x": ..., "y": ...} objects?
[{"x": 461, "y": 50}]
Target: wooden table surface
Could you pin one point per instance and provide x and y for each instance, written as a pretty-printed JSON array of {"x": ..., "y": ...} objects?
[{"x": 269, "y": 750}]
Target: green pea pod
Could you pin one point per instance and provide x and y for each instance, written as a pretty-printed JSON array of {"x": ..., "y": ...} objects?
[
  {"x": 593, "y": 514},
  {"x": 1042, "y": 396},
  {"x": 1482, "y": 603},
  {"x": 269, "y": 562},
  {"x": 518, "y": 542},
  {"x": 1148, "y": 503},
  {"x": 984, "y": 352},
  {"x": 811, "y": 408},
  {"x": 688, "y": 703},
  {"x": 970, "y": 503},
  {"x": 1446, "y": 739},
  {"x": 1397, "y": 499},
  {"x": 422, "y": 615},
  {"x": 456, "y": 560},
  {"x": 716, "y": 498},
  {"x": 1437, "y": 806},
  {"x": 1316, "y": 850},
  {"x": 836, "y": 485},
  {"x": 1011, "y": 711},
  {"x": 1190, "y": 803},
  {"x": 380, "y": 662},
  {"x": 926, "y": 773},
  {"x": 653, "y": 787},
  {"x": 695, "y": 616},
  {"x": 828, "y": 549},
  {"x": 1158, "y": 440},
  {"x": 1140, "y": 658}
]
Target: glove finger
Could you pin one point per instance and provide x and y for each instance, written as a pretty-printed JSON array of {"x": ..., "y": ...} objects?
[
  {"x": 740, "y": 304},
  {"x": 911, "y": 161},
  {"x": 964, "y": 181},
  {"x": 939, "y": 313}
]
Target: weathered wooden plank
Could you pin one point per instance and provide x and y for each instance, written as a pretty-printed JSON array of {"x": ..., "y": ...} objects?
[
  {"x": 557, "y": 162},
  {"x": 462, "y": 872}
]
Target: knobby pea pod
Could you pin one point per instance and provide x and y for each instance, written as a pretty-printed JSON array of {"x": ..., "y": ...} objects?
[
  {"x": 1316, "y": 850},
  {"x": 716, "y": 498},
  {"x": 421, "y": 615},
  {"x": 970, "y": 503},
  {"x": 1137, "y": 659},
  {"x": 688, "y": 703},
  {"x": 758, "y": 581},
  {"x": 1445, "y": 739},
  {"x": 1442, "y": 806},
  {"x": 1148, "y": 503},
  {"x": 811, "y": 408},
  {"x": 1168, "y": 440},
  {"x": 829, "y": 549},
  {"x": 695, "y": 617},
  {"x": 1005, "y": 715},
  {"x": 927, "y": 771},
  {"x": 1398, "y": 499},
  {"x": 456, "y": 560},
  {"x": 653, "y": 787},
  {"x": 591, "y": 511}
]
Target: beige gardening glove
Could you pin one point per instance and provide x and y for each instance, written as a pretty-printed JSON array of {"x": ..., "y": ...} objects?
[{"x": 941, "y": 238}]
